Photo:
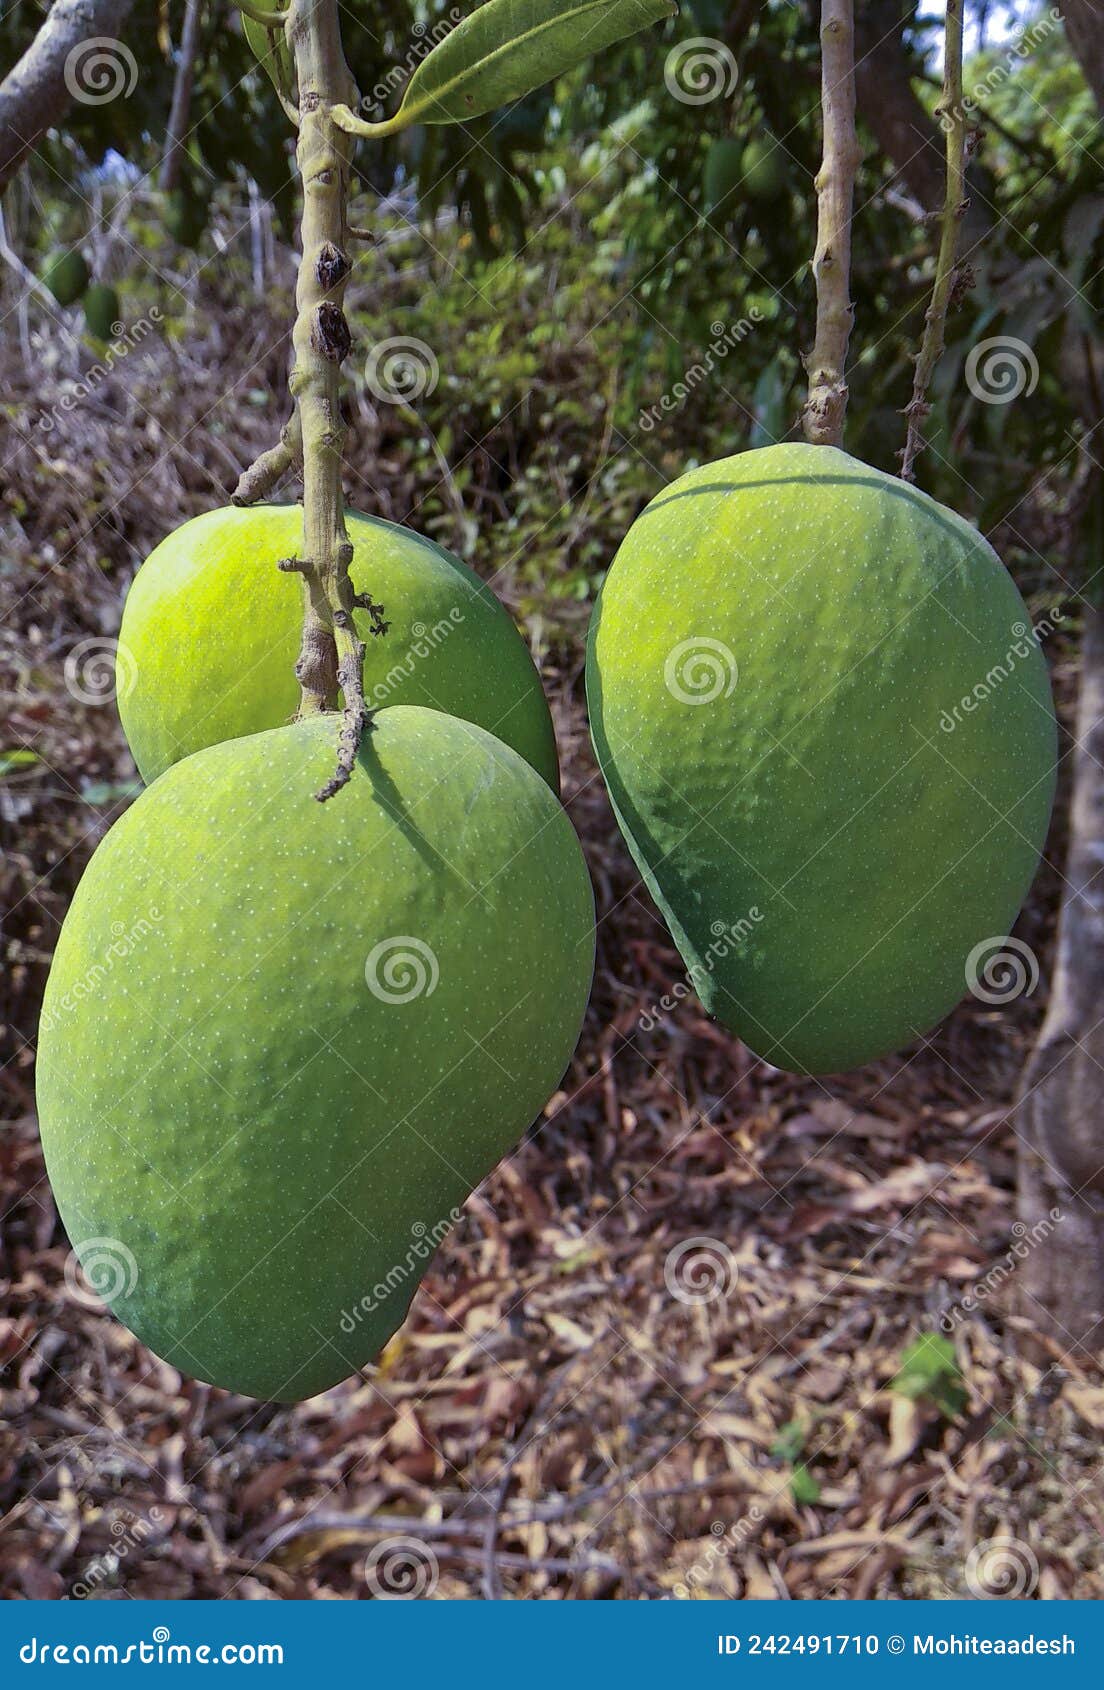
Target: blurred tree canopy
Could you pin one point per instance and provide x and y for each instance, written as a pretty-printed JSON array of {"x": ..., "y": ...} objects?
[{"x": 640, "y": 155}]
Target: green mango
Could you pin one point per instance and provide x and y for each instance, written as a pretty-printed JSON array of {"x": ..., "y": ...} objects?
[
  {"x": 722, "y": 176},
  {"x": 211, "y": 632},
  {"x": 186, "y": 212},
  {"x": 282, "y": 1040},
  {"x": 826, "y": 728},
  {"x": 66, "y": 276},
  {"x": 101, "y": 310},
  {"x": 764, "y": 168}
]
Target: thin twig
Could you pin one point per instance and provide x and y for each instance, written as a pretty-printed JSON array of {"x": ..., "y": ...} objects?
[
  {"x": 951, "y": 113},
  {"x": 261, "y": 477},
  {"x": 826, "y": 405}
]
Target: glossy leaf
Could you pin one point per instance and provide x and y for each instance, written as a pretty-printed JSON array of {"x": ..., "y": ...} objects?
[
  {"x": 507, "y": 48},
  {"x": 273, "y": 54}
]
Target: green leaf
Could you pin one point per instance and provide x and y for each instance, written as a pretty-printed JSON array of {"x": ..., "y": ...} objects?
[
  {"x": 803, "y": 1487},
  {"x": 790, "y": 1441},
  {"x": 272, "y": 52},
  {"x": 929, "y": 1369},
  {"x": 16, "y": 759},
  {"x": 507, "y": 48}
]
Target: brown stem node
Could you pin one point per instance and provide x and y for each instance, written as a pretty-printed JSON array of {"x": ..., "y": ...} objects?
[
  {"x": 330, "y": 335},
  {"x": 332, "y": 267}
]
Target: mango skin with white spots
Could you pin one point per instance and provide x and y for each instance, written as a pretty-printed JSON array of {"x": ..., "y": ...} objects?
[
  {"x": 211, "y": 631},
  {"x": 276, "y": 1145},
  {"x": 854, "y": 790}
]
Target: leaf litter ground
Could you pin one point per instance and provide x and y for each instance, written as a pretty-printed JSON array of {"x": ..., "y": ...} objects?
[{"x": 552, "y": 1422}]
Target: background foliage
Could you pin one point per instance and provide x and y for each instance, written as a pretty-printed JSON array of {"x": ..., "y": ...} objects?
[{"x": 558, "y": 274}]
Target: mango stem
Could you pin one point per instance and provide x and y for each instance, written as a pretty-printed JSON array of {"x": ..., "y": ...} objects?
[
  {"x": 826, "y": 405},
  {"x": 331, "y": 658}
]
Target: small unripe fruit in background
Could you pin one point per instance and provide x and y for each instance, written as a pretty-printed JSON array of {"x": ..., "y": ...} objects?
[
  {"x": 722, "y": 177},
  {"x": 765, "y": 168},
  {"x": 66, "y": 276},
  {"x": 186, "y": 213},
  {"x": 101, "y": 310}
]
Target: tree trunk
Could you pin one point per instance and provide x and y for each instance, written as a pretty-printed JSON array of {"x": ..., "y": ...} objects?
[
  {"x": 1084, "y": 21},
  {"x": 908, "y": 137},
  {"x": 1060, "y": 1111},
  {"x": 38, "y": 90},
  {"x": 175, "y": 152}
]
